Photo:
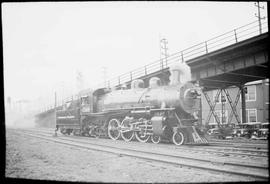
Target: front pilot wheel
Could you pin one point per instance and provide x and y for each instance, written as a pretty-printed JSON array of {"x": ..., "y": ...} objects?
[{"x": 178, "y": 138}]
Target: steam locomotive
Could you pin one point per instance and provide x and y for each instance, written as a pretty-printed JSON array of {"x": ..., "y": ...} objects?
[{"x": 158, "y": 112}]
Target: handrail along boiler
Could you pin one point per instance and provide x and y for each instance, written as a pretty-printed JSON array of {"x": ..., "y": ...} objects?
[{"x": 157, "y": 112}]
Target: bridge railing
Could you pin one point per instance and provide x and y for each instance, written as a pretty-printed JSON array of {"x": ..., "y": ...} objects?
[{"x": 229, "y": 38}]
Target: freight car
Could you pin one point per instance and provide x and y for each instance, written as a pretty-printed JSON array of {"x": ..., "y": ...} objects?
[{"x": 158, "y": 112}]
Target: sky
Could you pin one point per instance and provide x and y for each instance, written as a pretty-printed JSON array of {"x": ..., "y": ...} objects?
[{"x": 46, "y": 44}]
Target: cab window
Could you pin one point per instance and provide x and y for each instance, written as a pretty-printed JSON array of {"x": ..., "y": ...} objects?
[{"x": 85, "y": 101}]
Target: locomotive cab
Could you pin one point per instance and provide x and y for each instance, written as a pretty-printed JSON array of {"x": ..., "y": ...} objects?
[{"x": 86, "y": 104}]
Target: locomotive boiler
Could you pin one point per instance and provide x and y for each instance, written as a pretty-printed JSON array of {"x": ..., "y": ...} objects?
[{"x": 157, "y": 112}]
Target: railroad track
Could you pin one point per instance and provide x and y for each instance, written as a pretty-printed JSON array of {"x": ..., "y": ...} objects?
[
  {"x": 230, "y": 149},
  {"x": 211, "y": 140},
  {"x": 220, "y": 150},
  {"x": 243, "y": 140},
  {"x": 237, "y": 150},
  {"x": 258, "y": 171},
  {"x": 239, "y": 145},
  {"x": 190, "y": 149}
]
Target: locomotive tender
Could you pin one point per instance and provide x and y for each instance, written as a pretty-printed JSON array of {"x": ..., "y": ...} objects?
[{"x": 157, "y": 112}]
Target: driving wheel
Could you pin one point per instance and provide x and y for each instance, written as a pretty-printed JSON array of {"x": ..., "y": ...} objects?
[
  {"x": 127, "y": 133},
  {"x": 113, "y": 129}
]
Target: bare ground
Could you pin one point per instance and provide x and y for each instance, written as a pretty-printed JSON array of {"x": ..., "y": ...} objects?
[{"x": 31, "y": 158}]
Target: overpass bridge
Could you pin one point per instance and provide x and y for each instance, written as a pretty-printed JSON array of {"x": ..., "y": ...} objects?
[{"x": 231, "y": 59}]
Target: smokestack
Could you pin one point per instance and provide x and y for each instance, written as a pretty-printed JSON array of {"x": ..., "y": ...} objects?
[{"x": 180, "y": 73}]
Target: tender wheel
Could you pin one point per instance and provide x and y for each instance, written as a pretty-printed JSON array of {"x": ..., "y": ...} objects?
[
  {"x": 178, "y": 138},
  {"x": 155, "y": 139},
  {"x": 141, "y": 136},
  {"x": 127, "y": 134},
  {"x": 113, "y": 129}
]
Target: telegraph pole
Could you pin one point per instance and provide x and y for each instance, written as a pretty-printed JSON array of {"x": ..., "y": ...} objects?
[
  {"x": 259, "y": 15},
  {"x": 9, "y": 103},
  {"x": 79, "y": 80},
  {"x": 55, "y": 106},
  {"x": 104, "y": 70},
  {"x": 55, "y": 113}
]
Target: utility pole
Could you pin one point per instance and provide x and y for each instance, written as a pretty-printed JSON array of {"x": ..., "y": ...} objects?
[
  {"x": 79, "y": 80},
  {"x": 9, "y": 103},
  {"x": 259, "y": 15},
  {"x": 62, "y": 91},
  {"x": 163, "y": 52},
  {"x": 55, "y": 107},
  {"x": 55, "y": 113},
  {"x": 104, "y": 71},
  {"x": 22, "y": 105}
]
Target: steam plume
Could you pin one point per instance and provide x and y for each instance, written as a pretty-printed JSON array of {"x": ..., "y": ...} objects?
[{"x": 180, "y": 73}]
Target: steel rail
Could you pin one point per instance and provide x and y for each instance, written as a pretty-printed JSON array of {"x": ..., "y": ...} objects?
[
  {"x": 236, "y": 145},
  {"x": 176, "y": 156},
  {"x": 259, "y": 173},
  {"x": 185, "y": 147},
  {"x": 239, "y": 141},
  {"x": 237, "y": 150}
]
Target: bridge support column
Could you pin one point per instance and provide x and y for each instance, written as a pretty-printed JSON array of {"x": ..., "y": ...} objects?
[
  {"x": 243, "y": 99},
  {"x": 212, "y": 108},
  {"x": 200, "y": 113},
  {"x": 233, "y": 106},
  {"x": 223, "y": 100}
]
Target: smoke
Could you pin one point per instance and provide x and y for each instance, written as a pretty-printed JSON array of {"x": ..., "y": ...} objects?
[
  {"x": 184, "y": 73},
  {"x": 19, "y": 120}
]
